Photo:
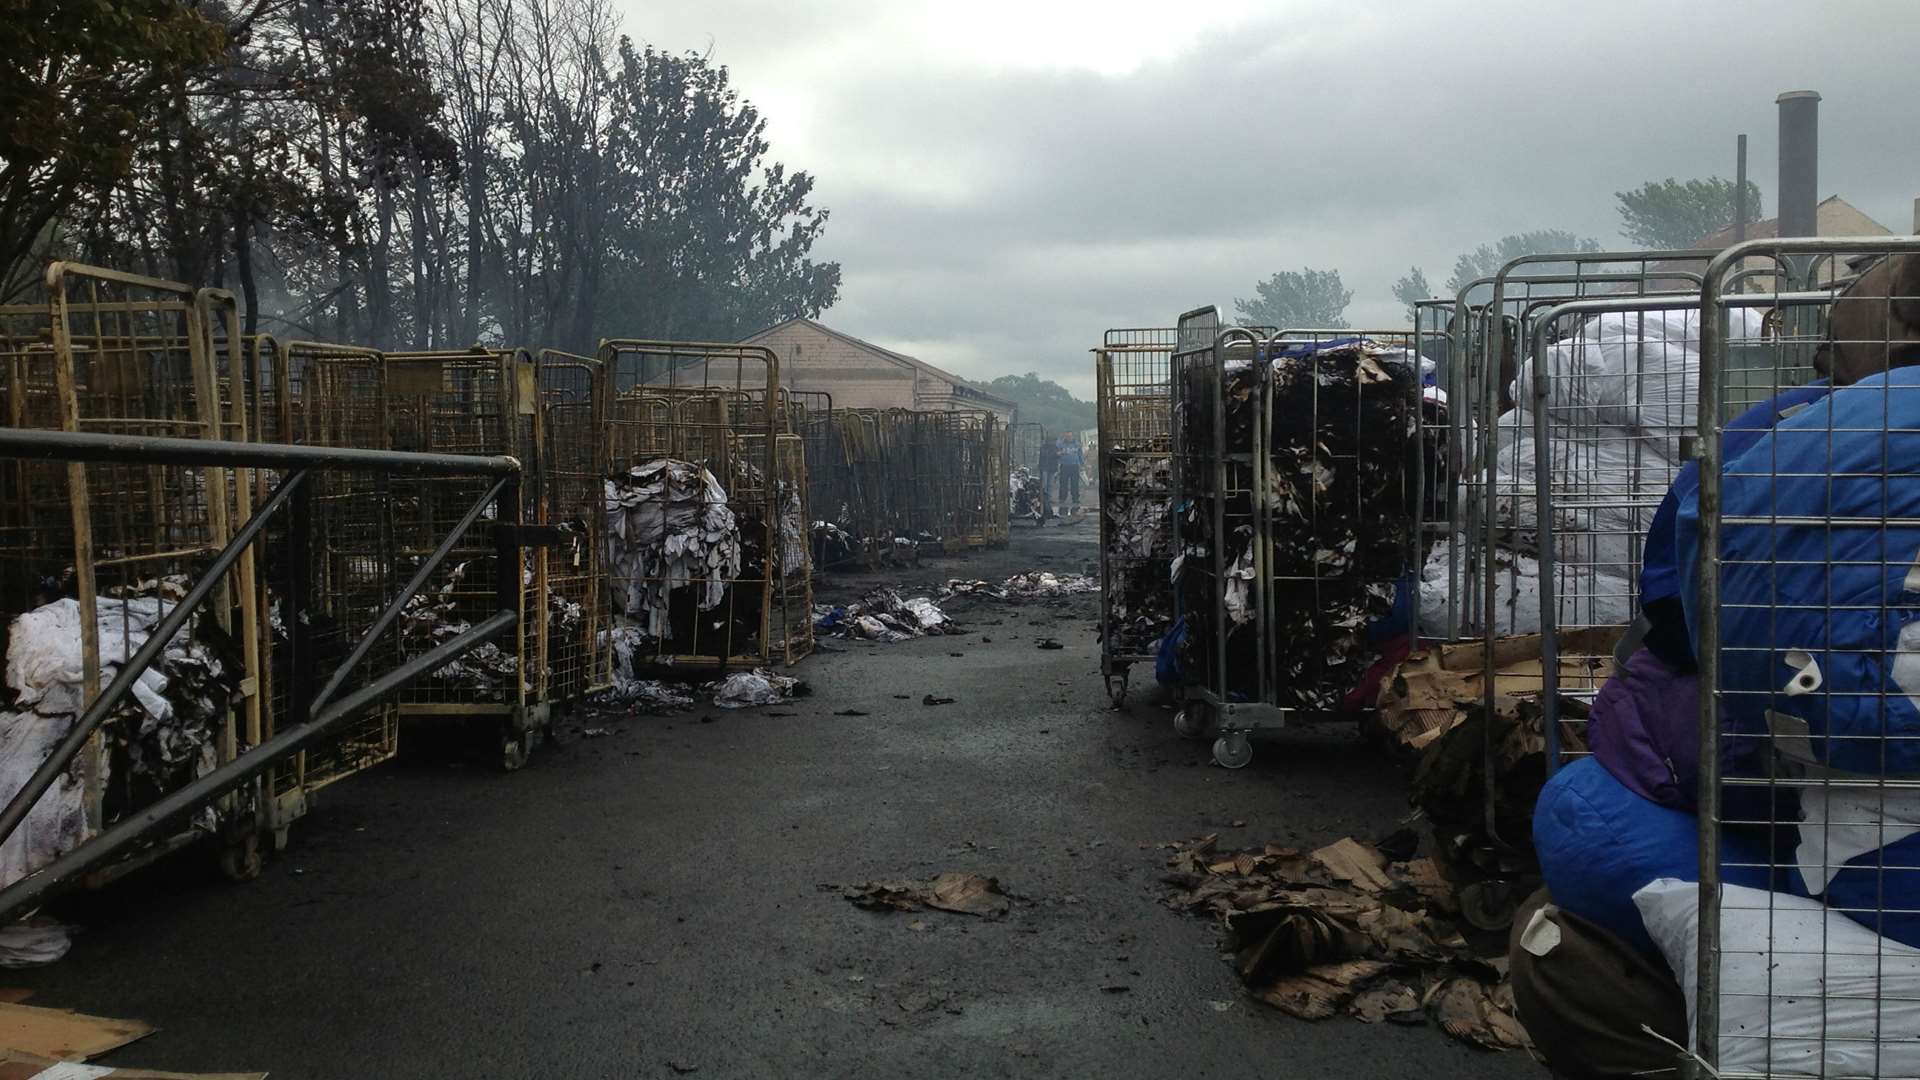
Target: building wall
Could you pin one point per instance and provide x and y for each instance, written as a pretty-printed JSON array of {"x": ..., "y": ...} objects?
[
  {"x": 857, "y": 379},
  {"x": 933, "y": 392},
  {"x": 814, "y": 361}
]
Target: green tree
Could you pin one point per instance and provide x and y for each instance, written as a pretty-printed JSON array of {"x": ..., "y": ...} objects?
[
  {"x": 1289, "y": 300},
  {"x": 81, "y": 81},
  {"x": 712, "y": 239},
  {"x": 1412, "y": 287},
  {"x": 1487, "y": 259},
  {"x": 1045, "y": 402},
  {"x": 1679, "y": 214}
]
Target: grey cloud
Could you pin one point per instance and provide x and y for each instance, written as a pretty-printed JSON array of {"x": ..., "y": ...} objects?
[{"x": 1000, "y": 218}]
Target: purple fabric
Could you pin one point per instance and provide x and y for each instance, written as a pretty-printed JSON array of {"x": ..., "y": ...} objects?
[{"x": 1645, "y": 731}]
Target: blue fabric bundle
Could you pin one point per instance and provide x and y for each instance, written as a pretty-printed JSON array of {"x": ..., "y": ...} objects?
[
  {"x": 1599, "y": 843},
  {"x": 1819, "y": 588}
]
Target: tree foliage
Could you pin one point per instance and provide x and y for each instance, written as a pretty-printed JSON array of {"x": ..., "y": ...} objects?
[
  {"x": 1297, "y": 300},
  {"x": 80, "y": 82},
  {"x": 1046, "y": 402},
  {"x": 405, "y": 173},
  {"x": 1412, "y": 286},
  {"x": 1487, "y": 259},
  {"x": 1679, "y": 214}
]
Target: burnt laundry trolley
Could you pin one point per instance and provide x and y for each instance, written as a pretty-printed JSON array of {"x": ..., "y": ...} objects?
[
  {"x": 1134, "y": 398},
  {"x": 1296, "y": 471}
]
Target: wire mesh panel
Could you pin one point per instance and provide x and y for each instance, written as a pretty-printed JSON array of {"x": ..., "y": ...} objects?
[
  {"x": 927, "y": 495},
  {"x": 1024, "y": 439},
  {"x": 331, "y": 568},
  {"x": 965, "y": 444},
  {"x": 471, "y": 402},
  {"x": 1437, "y": 339},
  {"x": 1800, "y": 542},
  {"x": 873, "y": 457},
  {"x": 830, "y": 493},
  {"x": 96, "y": 555},
  {"x": 1479, "y": 582},
  {"x": 694, "y": 504},
  {"x": 570, "y": 500},
  {"x": 1612, "y": 390},
  {"x": 1134, "y": 402}
]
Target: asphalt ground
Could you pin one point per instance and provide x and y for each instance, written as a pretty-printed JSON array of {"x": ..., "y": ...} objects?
[{"x": 665, "y": 899}]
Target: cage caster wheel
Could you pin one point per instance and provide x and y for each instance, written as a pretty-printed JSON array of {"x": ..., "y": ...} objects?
[
  {"x": 1117, "y": 689},
  {"x": 1190, "y": 723},
  {"x": 240, "y": 857},
  {"x": 1232, "y": 751}
]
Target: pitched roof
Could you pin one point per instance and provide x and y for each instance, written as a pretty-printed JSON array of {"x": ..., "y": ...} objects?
[
  {"x": 1832, "y": 209},
  {"x": 1834, "y": 216},
  {"x": 961, "y": 387}
]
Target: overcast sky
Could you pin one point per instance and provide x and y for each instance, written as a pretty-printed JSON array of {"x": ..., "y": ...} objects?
[{"x": 1009, "y": 178}]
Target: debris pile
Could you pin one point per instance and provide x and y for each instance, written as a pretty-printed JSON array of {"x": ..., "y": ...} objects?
[
  {"x": 162, "y": 737},
  {"x": 1033, "y": 585},
  {"x": 961, "y": 893},
  {"x": 1028, "y": 500},
  {"x": 747, "y": 689},
  {"x": 1346, "y": 930},
  {"x": 882, "y": 615},
  {"x": 669, "y": 527},
  {"x": 1433, "y": 706}
]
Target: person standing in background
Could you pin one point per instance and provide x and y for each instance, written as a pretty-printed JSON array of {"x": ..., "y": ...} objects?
[
  {"x": 1070, "y": 461},
  {"x": 1049, "y": 464}
]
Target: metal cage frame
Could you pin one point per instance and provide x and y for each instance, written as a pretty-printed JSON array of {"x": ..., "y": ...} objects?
[
  {"x": 1790, "y": 765},
  {"x": 1212, "y": 473}
]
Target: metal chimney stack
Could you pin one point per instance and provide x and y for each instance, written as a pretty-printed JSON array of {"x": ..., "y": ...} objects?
[{"x": 1799, "y": 162}]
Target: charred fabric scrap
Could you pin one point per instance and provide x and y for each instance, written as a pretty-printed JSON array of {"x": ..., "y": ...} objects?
[
  {"x": 1345, "y": 930},
  {"x": 737, "y": 690},
  {"x": 1139, "y": 507},
  {"x": 162, "y": 738},
  {"x": 489, "y": 671},
  {"x": 1340, "y": 462},
  {"x": 881, "y": 615},
  {"x": 1032, "y": 585}
]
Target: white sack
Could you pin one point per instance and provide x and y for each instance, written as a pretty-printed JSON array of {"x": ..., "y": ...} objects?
[
  {"x": 1804, "y": 990},
  {"x": 1583, "y": 596}
]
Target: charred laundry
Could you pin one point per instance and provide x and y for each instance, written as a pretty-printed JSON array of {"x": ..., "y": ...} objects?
[
  {"x": 1139, "y": 547},
  {"x": 882, "y": 615},
  {"x": 1028, "y": 500},
  {"x": 1331, "y": 497},
  {"x": 160, "y": 739}
]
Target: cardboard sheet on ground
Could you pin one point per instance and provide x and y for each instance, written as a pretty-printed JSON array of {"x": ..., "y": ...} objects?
[
  {"x": 1346, "y": 930},
  {"x": 961, "y": 893},
  {"x": 17, "y": 1066},
  {"x": 62, "y": 1035}
]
